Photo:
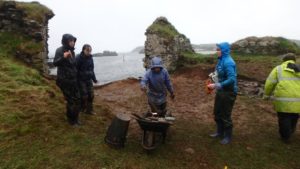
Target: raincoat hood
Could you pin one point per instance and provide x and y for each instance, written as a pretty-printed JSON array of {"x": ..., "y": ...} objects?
[
  {"x": 225, "y": 48},
  {"x": 65, "y": 40},
  {"x": 156, "y": 62}
]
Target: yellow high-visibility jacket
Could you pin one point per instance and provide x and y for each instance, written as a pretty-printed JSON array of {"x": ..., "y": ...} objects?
[{"x": 285, "y": 83}]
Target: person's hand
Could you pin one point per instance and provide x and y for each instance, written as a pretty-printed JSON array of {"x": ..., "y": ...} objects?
[
  {"x": 172, "y": 96},
  {"x": 67, "y": 54},
  {"x": 211, "y": 86},
  {"x": 95, "y": 81},
  {"x": 214, "y": 86}
]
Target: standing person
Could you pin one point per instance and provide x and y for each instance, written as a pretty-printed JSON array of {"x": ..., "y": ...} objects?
[
  {"x": 226, "y": 87},
  {"x": 157, "y": 81},
  {"x": 67, "y": 77},
  {"x": 86, "y": 77},
  {"x": 284, "y": 82}
]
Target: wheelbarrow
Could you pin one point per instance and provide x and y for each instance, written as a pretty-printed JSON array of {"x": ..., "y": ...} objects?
[{"x": 154, "y": 129}]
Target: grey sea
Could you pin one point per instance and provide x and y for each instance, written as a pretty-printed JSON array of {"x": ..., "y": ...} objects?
[{"x": 113, "y": 68}]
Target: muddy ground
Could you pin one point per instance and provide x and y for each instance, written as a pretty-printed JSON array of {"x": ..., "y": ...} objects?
[{"x": 191, "y": 102}]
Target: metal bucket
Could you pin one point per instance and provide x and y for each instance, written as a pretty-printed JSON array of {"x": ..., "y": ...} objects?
[{"x": 117, "y": 131}]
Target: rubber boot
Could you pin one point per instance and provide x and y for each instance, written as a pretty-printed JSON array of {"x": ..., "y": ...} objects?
[
  {"x": 227, "y": 136},
  {"x": 219, "y": 133}
]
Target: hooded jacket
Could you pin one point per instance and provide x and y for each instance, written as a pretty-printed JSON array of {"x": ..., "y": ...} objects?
[
  {"x": 85, "y": 67},
  {"x": 226, "y": 69},
  {"x": 157, "y": 83},
  {"x": 66, "y": 67},
  {"x": 284, "y": 82}
]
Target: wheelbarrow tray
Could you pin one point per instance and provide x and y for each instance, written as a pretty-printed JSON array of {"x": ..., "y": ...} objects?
[{"x": 150, "y": 125}]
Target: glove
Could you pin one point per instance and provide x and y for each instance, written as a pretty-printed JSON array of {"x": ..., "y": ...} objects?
[{"x": 95, "y": 81}]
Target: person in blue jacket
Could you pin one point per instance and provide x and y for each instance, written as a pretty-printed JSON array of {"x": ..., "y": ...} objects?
[
  {"x": 86, "y": 77},
  {"x": 226, "y": 92},
  {"x": 157, "y": 82}
]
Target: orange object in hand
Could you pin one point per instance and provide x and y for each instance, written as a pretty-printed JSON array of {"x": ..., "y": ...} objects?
[{"x": 208, "y": 90}]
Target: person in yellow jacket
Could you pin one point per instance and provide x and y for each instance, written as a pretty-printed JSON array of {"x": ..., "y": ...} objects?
[{"x": 284, "y": 83}]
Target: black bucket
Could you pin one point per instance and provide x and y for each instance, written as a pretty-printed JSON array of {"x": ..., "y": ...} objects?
[{"x": 117, "y": 131}]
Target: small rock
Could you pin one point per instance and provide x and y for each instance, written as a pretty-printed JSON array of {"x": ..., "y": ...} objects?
[
  {"x": 249, "y": 148},
  {"x": 189, "y": 151}
]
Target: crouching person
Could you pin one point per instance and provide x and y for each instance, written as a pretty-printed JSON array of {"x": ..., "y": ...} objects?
[
  {"x": 157, "y": 81},
  {"x": 86, "y": 77},
  {"x": 67, "y": 77},
  {"x": 284, "y": 82}
]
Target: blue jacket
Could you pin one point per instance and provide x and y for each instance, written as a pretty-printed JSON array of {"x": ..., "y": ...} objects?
[
  {"x": 157, "y": 83},
  {"x": 226, "y": 69},
  {"x": 85, "y": 68}
]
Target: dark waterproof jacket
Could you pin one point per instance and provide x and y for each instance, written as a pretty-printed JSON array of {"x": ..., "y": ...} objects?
[
  {"x": 85, "y": 68},
  {"x": 66, "y": 67}
]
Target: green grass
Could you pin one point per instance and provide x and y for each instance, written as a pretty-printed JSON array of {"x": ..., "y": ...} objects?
[
  {"x": 11, "y": 42},
  {"x": 164, "y": 30},
  {"x": 252, "y": 67},
  {"x": 288, "y": 46},
  {"x": 189, "y": 59},
  {"x": 34, "y": 134}
]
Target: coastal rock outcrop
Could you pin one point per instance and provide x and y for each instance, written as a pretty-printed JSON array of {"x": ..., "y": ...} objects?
[
  {"x": 265, "y": 45},
  {"x": 29, "y": 21},
  {"x": 162, "y": 39}
]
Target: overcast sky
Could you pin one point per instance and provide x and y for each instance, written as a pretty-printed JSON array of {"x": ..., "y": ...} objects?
[{"x": 120, "y": 24}]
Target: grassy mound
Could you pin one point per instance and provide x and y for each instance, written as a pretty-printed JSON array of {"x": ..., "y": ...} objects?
[
  {"x": 34, "y": 10},
  {"x": 287, "y": 45},
  {"x": 162, "y": 27},
  {"x": 251, "y": 67},
  {"x": 33, "y": 128}
]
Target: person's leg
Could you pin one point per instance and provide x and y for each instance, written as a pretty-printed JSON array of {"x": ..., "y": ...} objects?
[
  {"x": 152, "y": 107},
  {"x": 73, "y": 101},
  {"x": 69, "y": 113},
  {"x": 70, "y": 105},
  {"x": 217, "y": 116},
  {"x": 72, "y": 96},
  {"x": 83, "y": 95},
  {"x": 294, "y": 122},
  {"x": 228, "y": 103},
  {"x": 90, "y": 99},
  {"x": 161, "y": 109},
  {"x": 285, "y": 123}
]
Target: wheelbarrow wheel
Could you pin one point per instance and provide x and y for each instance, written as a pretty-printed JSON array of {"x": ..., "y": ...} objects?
[{"x": 148, "y": 141}]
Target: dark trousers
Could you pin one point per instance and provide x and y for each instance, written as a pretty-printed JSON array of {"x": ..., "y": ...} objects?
[
  {"x": 224, "y": 102},
  {"x": 87, "y": 95},
  {"x": 287, "y": 124},
  {"x": 72, "y": 96},
  {"x": 160, "y": 109}
]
